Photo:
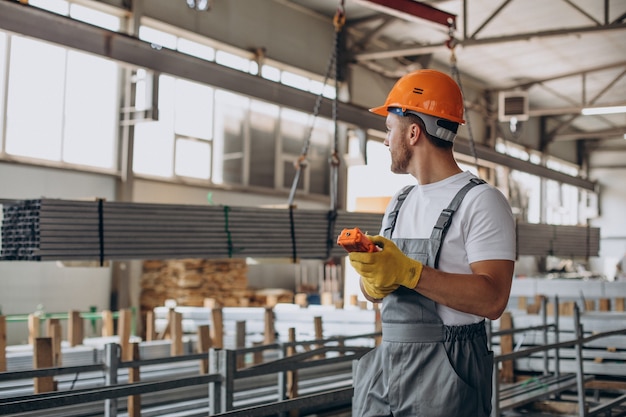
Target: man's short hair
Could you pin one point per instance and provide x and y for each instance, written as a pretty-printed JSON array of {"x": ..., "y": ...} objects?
[{"x": 435, "y": 141}]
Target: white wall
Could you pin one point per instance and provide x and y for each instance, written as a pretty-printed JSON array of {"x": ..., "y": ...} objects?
[
  {"x": 612, "y": 219},
  {"x": 25, "y": 285}
]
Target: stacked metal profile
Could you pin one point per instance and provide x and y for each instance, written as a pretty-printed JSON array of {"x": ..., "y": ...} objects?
[
  {"x": 560, "y": 241},
  {"x": 53, "y": 229}
]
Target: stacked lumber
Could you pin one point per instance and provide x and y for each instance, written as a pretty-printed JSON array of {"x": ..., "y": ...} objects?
[{"x": 190, "y": 281}]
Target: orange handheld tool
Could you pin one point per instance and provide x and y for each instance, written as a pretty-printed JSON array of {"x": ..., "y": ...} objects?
[{"x": 353, "y": 240}]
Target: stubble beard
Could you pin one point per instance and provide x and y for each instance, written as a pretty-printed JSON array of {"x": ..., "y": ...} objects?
[{"x": 400, "y": 157}]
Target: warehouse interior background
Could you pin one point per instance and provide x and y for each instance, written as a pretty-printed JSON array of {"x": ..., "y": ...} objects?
[{"x": 210, "y": 103}]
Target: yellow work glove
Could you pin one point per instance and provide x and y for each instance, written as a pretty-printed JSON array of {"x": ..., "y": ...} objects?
[
  {"x": 383, "y": 271},
  {"x": 375, "y": 292}
]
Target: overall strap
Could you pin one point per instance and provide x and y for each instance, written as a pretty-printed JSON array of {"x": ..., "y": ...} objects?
[
  {"x": 445, "y": 218},
  {"x": 393, "y": 215}
]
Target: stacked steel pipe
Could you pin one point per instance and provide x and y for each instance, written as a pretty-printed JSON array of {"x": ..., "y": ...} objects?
[
  {"x": 52, "y": 229},
  {"x": 560, "y": 241}
]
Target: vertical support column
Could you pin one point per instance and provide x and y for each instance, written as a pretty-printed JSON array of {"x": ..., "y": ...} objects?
[
  {"x": 215, "y": 388},
  {"x": 557, "y": 352},
  {"x": 74, "y": 328},
  {"x": 3, "y": 343},
  {"x": 229, "y": 366},
  {"x": 544, "y": 321},
  {"x": 580, "y": 377},
  {"x": 43, "y": 358},
  {"x": 495, "y": 396},
  {"x": 282, "y": 376},
  {"x": 134, "y": 401},
  {"x": 269, "y": 332},
  {"x": 111, "y": 365}
]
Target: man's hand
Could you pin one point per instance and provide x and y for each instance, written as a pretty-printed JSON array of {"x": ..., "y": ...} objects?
[{"x": 385, "y": 270}]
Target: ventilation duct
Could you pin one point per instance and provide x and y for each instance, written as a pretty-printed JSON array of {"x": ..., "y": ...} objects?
[{"x": 512, "y": 105}]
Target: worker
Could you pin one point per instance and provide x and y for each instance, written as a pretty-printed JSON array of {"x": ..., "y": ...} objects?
[
  {"x": 444, "y": 263},
  {"x": 620, "y": 269}
]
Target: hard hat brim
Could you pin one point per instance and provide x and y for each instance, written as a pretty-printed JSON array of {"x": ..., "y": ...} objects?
[{"x": 380, "y": 110}]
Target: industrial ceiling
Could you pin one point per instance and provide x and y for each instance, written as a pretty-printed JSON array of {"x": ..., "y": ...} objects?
[{"x": 563, "y": 55}]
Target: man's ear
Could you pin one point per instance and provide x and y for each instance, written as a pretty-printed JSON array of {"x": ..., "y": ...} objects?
[{"x": 415, "y": 131}]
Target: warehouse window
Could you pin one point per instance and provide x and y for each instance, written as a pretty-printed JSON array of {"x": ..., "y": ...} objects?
[
  {"x": 562, "y": 199},
  {"x": 179, "y": 142},
  {"x": 238, "y": 61},
  {"x": 525, "y": 196},
  {"x": 79, "y": 12},
  {"x": 231, "y": 112},
  {"x": 51, "y": 114},
  {"x": 3, "y": 80},
  {"x": 54, "y": 6}
]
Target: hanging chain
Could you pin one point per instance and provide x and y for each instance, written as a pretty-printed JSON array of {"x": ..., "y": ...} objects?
[
  {"x": 334, "y": 161},
  {"x": 301, "y": 163},
  {"x": 451, "y": 43}
]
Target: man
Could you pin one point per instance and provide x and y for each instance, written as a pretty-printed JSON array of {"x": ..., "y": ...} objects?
[
  {"x": 620, "y": 269},
  {"x": 445, "y": 263}
]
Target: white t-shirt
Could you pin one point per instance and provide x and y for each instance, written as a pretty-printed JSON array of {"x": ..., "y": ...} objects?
[{"x": 482, "y": 228}]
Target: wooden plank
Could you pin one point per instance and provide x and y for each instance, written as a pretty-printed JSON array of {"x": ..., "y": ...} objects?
[
  {"x": 34, "y": 328},
  {"x": 292, "y": 376},
  {"x": 605, "y": 304},
  {"x": 123, "y": 328},
  {"x": 134, "y": 401},
  {"x": 619, "y": 304},
  {"x": 54, "y": 331},
  {"x": 507, "y": 373},
  {"x": 43, "y": 358},
  {"x": 217, "y": 318},
  {"x": 554, "y": 407},
  {"x": 176, "y": 333},
  {"x": 203, "y": 345},
  {"x": 240, "y": 342},
  {"x": 108, "y": 329},
  {"x": 150, "y": 330},
  {"x": 606, "y": 385},
  {"x": 74, "y": 328}
]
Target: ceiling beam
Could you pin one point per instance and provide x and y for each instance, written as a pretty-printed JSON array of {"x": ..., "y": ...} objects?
[
  {"x": 412, "y": 8},
  {"x": 597, "y": 134},
  {"x": 421, "y": 49},
  {"x": 527, "y": 85}
]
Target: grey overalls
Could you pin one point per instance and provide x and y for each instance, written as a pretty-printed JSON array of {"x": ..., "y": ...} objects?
[{"x": 423, "y": 367}]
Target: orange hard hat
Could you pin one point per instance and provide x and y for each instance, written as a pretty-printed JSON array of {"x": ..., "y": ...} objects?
[{"x": 426, "y": 91}]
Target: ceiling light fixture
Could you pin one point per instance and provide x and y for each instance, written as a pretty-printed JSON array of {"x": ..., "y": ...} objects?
[{"x": 589, "y": 111}]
